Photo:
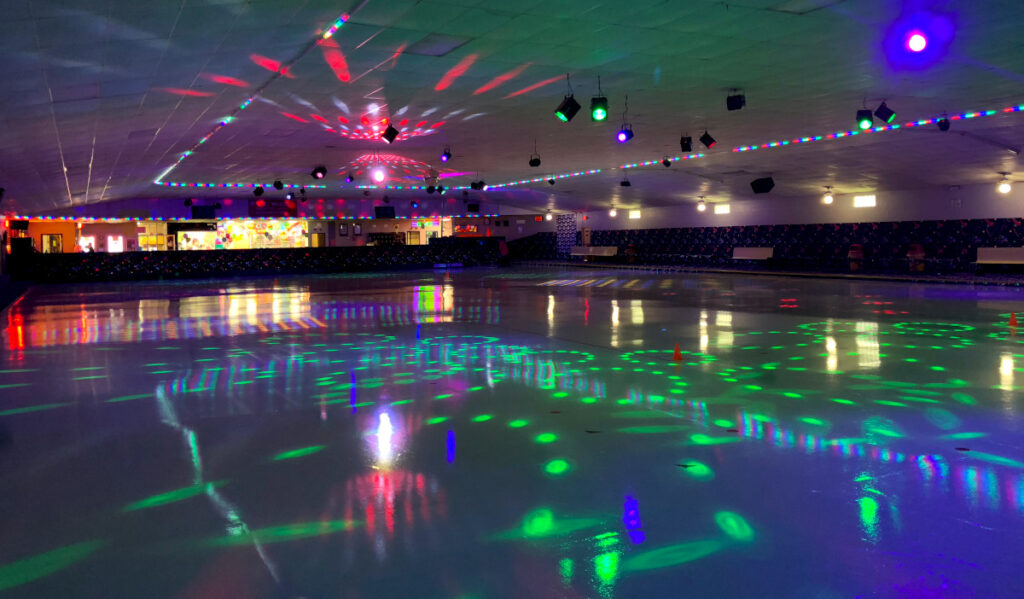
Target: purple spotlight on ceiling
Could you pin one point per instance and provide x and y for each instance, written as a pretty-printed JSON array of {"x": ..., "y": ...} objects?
[{"x": 919, "y": 40}]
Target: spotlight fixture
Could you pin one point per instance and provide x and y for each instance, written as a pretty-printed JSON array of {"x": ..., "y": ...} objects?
[
  {"x": 390, "y": 134},
  {"x": 916, "y": 41},
  {"x": 258, "y": 191},
  {"x": 1004, "y": 185},
  {"x": 625, "y": 182},
  {"x": 441, "y": 189},
  {"x": 188, "y": 202},
  {"x": 551, "y": 181},
  {"x": 568, "y": 108},
  {"x": 864, "y": 121},
  {"x": 666, "y": 161},
  {"x": 290, "y": 195},
  {"x": 613, "y": 213},
  {"x": 534, "y": 160},
  {"x": 378, "y": 175},
  {"x": 626, "y": 131},
  {"x": 548, "y": 216},
  {"x": 431, "y": 189},
  {"x": 701, "y": 205},
  {"x": 414, "y": 204},
  {"x": 943, "y": 124},
  {"x": 599, "y": 104},
  {"x": 735, "y": 101},
  {"x": 478, "y": 185},
  {"x": 707, "y": 140},
  {"x": 686, "y": 143},
  {"x": 446, "y": 155},
  {"x": 827, "y": 199},
  {"x": 278, "y": 185},
  {"x": 349, "y": 178},
  {"x": 319, "y": 172},
  {"x": 885, "y": 113},
  {"x": 762, "y": 185}
]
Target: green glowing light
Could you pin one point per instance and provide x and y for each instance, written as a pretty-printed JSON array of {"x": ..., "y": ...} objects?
[
  {"x": 475, "y": 389},
  {"x": 996, "y": 459},
  {"x": 813, "y": 421},
  {"x": 172, "y": 496},
  {"x": 955, "y": 436},
  {"x": 546, "y": 438},
  {"x": 298, "y": 453},
  {"x": 437, "y": 419},
  {"x": 285, "y": 533},
  {"x": 482, "y": 417},
  {"x": 129, "y": 397},
  {"x": 565, "y": 568},
  {"x": 560, "y": 394},
  {"x": 557, "y": 467},
  {"x": 38, "y": 566},
  {"x": 539, "y": 523},
  {"x": 702, "y": 439},
  {"x": 518, "y": 423},
  {"x": 588, "y": 400},
  {"x": 734, "y": 526},
  {"x": 606, "y": 566},
  {"x": 869, "y": 517},
  {"x": 443, "y": 396},
  {"x": 673, "y": 555},
  {"x": 845, "y": 402},
  {"x": 653, "y": 430},
  {"x": 29, "y": 409},
  {"x": 697, "y": 470}
]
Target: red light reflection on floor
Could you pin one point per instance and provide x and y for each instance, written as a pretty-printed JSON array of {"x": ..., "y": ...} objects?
[
  {"x": 500, "y": 79},
  {"x": 271, "y": 65},
  {"x": 335, "y": 59},
  {"x": 455, "y": 72},
  {"x": 177, "y": 91},
  {"x": 224, "y": 79},
  {"x": 537, "y": 85}
]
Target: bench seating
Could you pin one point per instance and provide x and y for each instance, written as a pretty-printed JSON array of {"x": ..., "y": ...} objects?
[
  {"x": 753, "y": 253},
  {"x": 1001, "y": 255}
]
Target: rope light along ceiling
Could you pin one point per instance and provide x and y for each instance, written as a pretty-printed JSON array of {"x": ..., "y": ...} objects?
[
  {"x": 324, "y": 35},
  {"x": 110, "y": 219}
]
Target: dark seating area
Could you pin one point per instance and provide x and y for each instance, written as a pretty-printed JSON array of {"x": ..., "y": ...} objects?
[
  {"x": 937, "y": 247},
  {"x": 54, "y": 268}
]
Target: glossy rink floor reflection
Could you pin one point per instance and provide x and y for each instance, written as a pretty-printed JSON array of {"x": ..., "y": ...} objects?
[{"x": 502, "y": 433}]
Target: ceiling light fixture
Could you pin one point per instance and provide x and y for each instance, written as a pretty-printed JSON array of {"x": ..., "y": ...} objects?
[
  {"x": 319, "y": 172},
  {"x": 885, "y": 113},
  {"x": 548, "y": 216},
  {"x": 441, "y": 189},
  {"x": 1004, "y": 185},
  {"x": 701, "y": 205},
  {"x": 828, "y": 198},
  {"x": 535, "y": 157},
  {"x": 708, "y": 141},
  {"x": 551, "y": 181},
  {"x": 625, "y": 182},
  {"x": 942, "y": 124},
  {"x": 686, "y": 143},
  {"x": 349, "y": 178},
  {"x": 916, "y": 41},
  {"x": 569, "y": 106},
  {"x": 378, "y": 175},
  {"x": 290, "y": 195},
  {"x": 666, "y": 161},
  {"x": 735, "y": 101},
  {"x": 762, "y": 185},
  {"x": 613, "y": 213},
  {"x": 599, "y": 104},
  {"x": 278, "y": 185},
  {"x": 390, "y": 134},
  {"x": 864, "y": 120},
  {"x": 626, "y": 131},
  {"x": 258, "y": 191},
  {"x": 446, "y": 155}
]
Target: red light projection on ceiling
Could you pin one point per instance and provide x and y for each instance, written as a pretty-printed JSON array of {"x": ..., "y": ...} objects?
[
  {"x": 224, "y": 79},
  {"x": 335, "y": 59},
  {"x": 292, "y": 116},
  {"x": 371, "y": 125},
  {"x": 537, "y": 85},
  {"x": 394, "y": 167},
  {"x": 271, "y": 65},
  {"x": 500, "y": 79},
  {"x": 455, "y": 72},
  {"x": 177, "y": 91}
]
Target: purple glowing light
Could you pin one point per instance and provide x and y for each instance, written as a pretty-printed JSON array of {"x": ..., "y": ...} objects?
[
  {"x": 622, "y": 137},
  {"x": 916, "y": 41}
]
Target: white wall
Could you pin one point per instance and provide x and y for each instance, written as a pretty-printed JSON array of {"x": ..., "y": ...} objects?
[{"x": 979, "y": 201}]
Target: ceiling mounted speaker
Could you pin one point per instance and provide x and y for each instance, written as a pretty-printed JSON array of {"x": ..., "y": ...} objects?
[{"x": 762, "y": 185}]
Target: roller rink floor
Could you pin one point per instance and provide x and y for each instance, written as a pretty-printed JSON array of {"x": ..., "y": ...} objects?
[{"x": 512, "y": 433}]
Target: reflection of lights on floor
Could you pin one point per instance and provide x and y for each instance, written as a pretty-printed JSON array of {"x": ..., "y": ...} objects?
[{"x": 385, "y": 431}]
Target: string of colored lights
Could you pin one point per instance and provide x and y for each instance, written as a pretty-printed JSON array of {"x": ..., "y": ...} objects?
[
  {"x": 117, "y": 219},
  {"x": 842, "y": 134},
  {"x": 227, "y": 185},
  {"x": 326, "y": 34},
  {"x": 653, "y": 162}
]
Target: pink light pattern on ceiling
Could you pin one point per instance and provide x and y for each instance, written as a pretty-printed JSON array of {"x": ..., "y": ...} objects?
[
  {"x": 455, "y": 72},
  {"x": 500, "y": 79}
]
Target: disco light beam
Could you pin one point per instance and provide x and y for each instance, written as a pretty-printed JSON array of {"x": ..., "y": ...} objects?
[
  {"x": 500, "y": 79},
  {"x": 335, "y": 59},
  {"x": 537, "y": 85},
  {"x": 455, "y": 72}
]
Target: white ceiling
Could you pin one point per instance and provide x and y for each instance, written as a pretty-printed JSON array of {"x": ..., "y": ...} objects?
[{"x": 93, "y": 107}]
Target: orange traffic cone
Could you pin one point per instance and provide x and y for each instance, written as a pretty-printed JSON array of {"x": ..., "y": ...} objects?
[
  {"x": 1013, "y": 319},
  {"x": 677, "y": 355}
]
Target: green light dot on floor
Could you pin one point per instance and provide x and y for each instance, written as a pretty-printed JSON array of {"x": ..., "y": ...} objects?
[
  {"x": 560, "y": 394},
  {"x": 792, "y": 395},
  {"x": 437, "y": 419},
  {"x": 814, "y": 421},
  {"x": 443, "y": 396},
  {"x": 518, "y": 423},
  {"x": 723, "y": 423},
  {"x": 546, "y": 438},
  {"x": 482, "y": 418},
  {"x": 557, "y": 467},
  {"x": 589, "y": 400},
  {"x": 938, "y": 368},
  {"x": 475, "y": 389},
  {"x": 845, "y": 402},
  {"x": 624, "y": 401}
]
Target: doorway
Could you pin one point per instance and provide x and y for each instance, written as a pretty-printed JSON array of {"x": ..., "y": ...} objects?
[
  {"x": 53, "y": 243},
  {"x": 319, "y": 240}
]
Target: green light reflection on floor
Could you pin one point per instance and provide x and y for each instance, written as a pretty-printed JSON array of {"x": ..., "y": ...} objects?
[
  {"x": 734, "y": 526},
  {"x": 39, "y": 566},
  {"x": 298, "y": 453},
  {"x": 172, "y": 496},
  {"x": 673, "y": 555},
  {"x": 285, "y": 533}
]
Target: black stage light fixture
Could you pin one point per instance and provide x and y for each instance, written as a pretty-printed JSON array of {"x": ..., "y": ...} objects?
[
  {"x": 290, "y": 195},
  {"x": 476, "y": 185},
  {"x": 943, "y": 124},
  {"x": 686, "y": 143},
  {"x": 278, "y": 185},
  {"x": 735, "y": 101},
  {"x": 707, "y": 140},
  {"x": 534, "y": 160},
  {"x": 446, "y": 155},
  {"x": 349, "y": 178},
  {"x": 551, "y": 181},
  {"x": 567, "y": 109},
  {"x": 598, "y": 108},
  {"x": 188, "y": 202},
  {"x": 390, "y": 134},
  {"x": 888, "y": 115},
  {"x": 666, "y": 162},
  {"x": 864, "y": 119},
  {"x": 625, "y": 183},
  {"x": 762, "y": 185},
  {"x": 414, "y": 204},
  {"x": 431, "y": 189},
  {"x": 319, "y": 172},
  {"x": 258, "y": 191},
  {"x": 441, "y": 189}
]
